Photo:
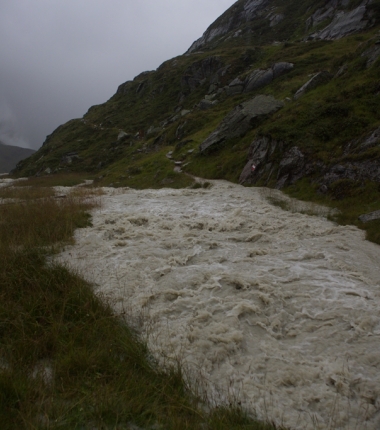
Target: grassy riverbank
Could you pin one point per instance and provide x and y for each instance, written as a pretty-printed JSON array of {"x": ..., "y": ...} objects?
[{"x": 65, "y": 360}]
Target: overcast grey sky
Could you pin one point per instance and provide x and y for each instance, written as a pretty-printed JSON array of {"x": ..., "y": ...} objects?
[{"x": 59, "y": 57}]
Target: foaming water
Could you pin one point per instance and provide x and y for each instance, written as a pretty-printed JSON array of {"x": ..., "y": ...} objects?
[{"x": 278, "y": 309}]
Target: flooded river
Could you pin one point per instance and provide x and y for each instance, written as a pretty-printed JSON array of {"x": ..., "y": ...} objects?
[{"x": 277, "y": 309}]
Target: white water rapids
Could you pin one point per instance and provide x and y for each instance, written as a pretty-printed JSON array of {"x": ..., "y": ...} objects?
[{"x": 278, "y": 309}]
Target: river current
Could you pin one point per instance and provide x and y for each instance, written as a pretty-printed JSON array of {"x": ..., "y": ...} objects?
[{"x": 276, "y": 309}]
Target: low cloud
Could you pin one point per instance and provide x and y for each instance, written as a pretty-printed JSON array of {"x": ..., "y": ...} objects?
[
  {"x": 9, "y": 132},
  {"x": 59, "y": 57}
]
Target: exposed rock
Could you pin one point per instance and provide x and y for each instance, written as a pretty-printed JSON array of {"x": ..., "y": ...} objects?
[
  {"x": 152, "y": 129},
  {"x": 125, "y": 88},
  {"x": 180, "y": 132},
  {"x": 276, "y": 19},
  {"x": 372, "y": 54},
  {"x": 259, "y": 153},
  {"x": 229, "y": 21},
  {"x": 260, "y": 163},
  {"x": 68, "y": 158},
  {"x": 260, "y": 78},
  {"x": 372, "y": 216},
  {"x": 291, "y": 167},
  {"x": 281, "y": 68},
  {"x": 241, "y": 119},
  {"x": 206, "y": 104},
  {"x": 318, "y": 79},
  {"x": 247, "y": 172},
  {"x": 122, "y": 135},
  {"x": 372, "y": 140},
  {"x": 140, "y": 87},
  {"x": 235, "y": 87},
  {"x": 185, "y": 112},
  {"x": 199, "y": 72},
  {"x": 321, "y": 15},
  {"x": 343, "y": 23},
  {"x": 357, "y": 171}
]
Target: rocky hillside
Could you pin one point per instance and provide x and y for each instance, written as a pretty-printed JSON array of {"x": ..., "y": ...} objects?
[
  {"x": 277, "y": 93},
  {"x": 11, "y": 155}
]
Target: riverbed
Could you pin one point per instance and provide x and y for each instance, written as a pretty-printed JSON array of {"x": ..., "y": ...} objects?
[{"x": 275, "y": 309}]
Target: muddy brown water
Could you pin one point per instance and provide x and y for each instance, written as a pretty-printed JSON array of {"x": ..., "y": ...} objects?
[{"x": 277, "y": 309}]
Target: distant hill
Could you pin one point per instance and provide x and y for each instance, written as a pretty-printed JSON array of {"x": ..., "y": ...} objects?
[{"x": 11, "y": 155}]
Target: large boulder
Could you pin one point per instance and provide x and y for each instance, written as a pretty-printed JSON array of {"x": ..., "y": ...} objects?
[
  {"x": 258, "y": 78},
  {"x": 235, "y": 87},
  {"x": 240, "y": 120}
]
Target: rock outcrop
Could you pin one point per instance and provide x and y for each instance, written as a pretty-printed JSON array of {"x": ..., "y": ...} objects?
[
  {"x": 257, "y": 79},
  {"x": 240, "y": 120},
  {"x": 231, "y": 20},
  {"x": 210, "y": 70},
  {"x": 267, "y": 160},
  {"x": 314, "y": 82},
  {"x": 261, "y": 163},
  {"x": 343, "y": 22},
  {"x": 341, "y": 19},
  {"x": 260, "y": 78},
  {"x": 372, "y": 216}
]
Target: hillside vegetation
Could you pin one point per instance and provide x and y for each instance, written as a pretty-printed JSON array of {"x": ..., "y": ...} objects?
[
  {"x": 194, "y": 113},
  {"x": 11, "y": 155}
]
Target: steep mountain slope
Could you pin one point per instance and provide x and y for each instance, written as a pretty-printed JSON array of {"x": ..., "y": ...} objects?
[
  {"x": 11, "y": 155},
  {"x": 291, "y": 88}
]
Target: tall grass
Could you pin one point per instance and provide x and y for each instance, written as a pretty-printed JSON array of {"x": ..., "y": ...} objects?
[{"x": 66, "y": 362}]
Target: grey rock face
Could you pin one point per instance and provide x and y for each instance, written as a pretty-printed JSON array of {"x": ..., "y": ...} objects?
[
  {"x": 291, "y": 167},
  {"x": 372, "y": 54},
  {"x": 199, "y": 72},
  {"x": 235, "y": 87},
  {"x": 259, "y": 78},
  {"x": 372, "y": 140},
  {"x": 125, "y": 88},
  {"x": 318, "y": 79},
  {"x": 372, "y": 216},
  {"x": 260, "y": 163},
  {"x": 260, "y": 150},
  {"x": 276, "y": 19},
  {"x": 343, "y": 23},
  {"x": 357, "y": 171},
  {"x": 229, "y": 21},
  {"x": 122, "y": 134},
  {"x": 69, "y": 158},
  {"x": 240, "y": 120},
  {"x": 281, "y": 68},
  {"x": 206, "y": 104}
]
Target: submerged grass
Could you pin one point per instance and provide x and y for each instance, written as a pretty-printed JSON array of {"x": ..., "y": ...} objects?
[{"x": 66, "y": 361}]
